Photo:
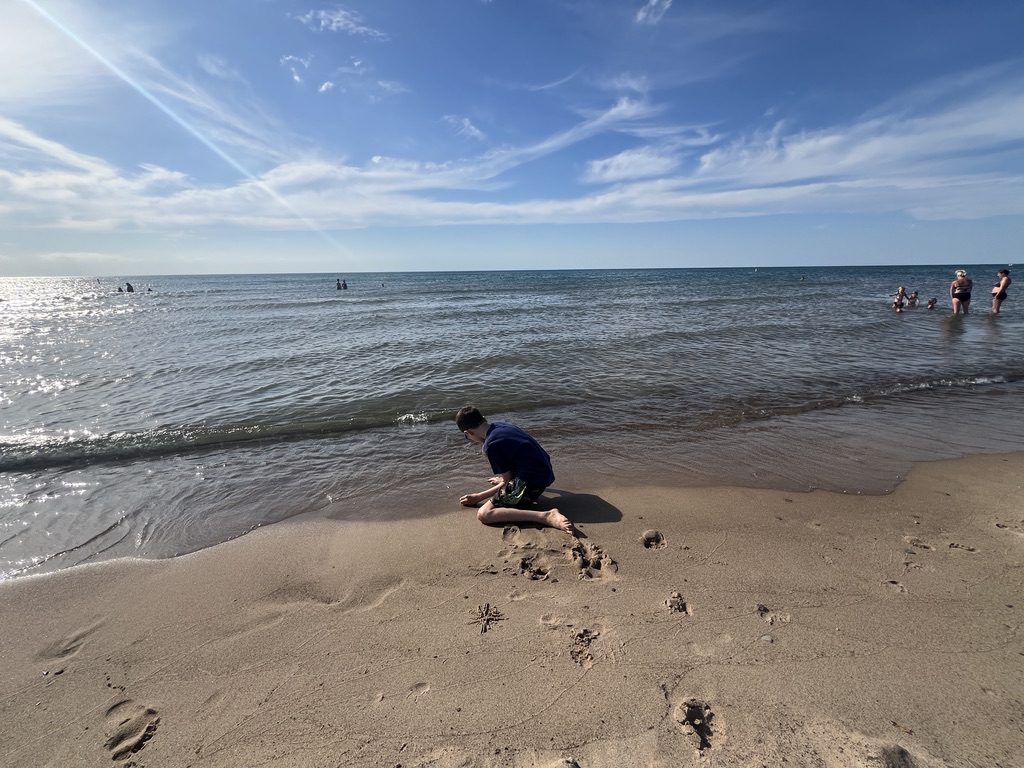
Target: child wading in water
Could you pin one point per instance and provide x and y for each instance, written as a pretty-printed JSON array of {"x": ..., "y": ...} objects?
[{"x": 522, "y": 470}]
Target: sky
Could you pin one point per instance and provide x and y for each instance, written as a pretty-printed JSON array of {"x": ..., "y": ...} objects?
[{"x": 159, "y": 137}]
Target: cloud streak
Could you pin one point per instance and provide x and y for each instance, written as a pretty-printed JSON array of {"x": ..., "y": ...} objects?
[
  {"x": 920, "y": 164},
  {"x": 652, "y": 13},
  {"x": 340, "y": 20}
]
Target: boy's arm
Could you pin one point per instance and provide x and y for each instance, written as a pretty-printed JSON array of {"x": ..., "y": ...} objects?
[{"x": 472, "y": 499}]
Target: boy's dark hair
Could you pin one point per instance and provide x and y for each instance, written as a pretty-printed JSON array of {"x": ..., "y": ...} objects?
[{"x": 469, "y": 418}]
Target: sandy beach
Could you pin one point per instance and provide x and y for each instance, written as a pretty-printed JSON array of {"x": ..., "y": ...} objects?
[{"x": 719, "y": 627}]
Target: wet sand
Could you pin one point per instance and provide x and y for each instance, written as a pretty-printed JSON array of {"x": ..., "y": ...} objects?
[{"x": 721, "y": 626}]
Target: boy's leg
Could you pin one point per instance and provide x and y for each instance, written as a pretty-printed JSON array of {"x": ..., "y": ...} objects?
[{"x": 492, "y": 515}]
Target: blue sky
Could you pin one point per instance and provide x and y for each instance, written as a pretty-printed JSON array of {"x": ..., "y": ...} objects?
[{"x": 239, "y": 136}]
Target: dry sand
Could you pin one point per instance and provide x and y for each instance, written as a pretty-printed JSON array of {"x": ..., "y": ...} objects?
[{"x": 711, "y": 627}]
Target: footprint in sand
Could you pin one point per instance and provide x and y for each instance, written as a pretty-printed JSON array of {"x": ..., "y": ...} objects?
[
  {"x": 591, "y": 561},
  {"x": 68, "y": 645},
  {"x": 676, "y": 604},
  {"x": 917, "y": 543},
  {"x": 530, "y": 567},
  {"x": 550, "y": 621},
  {"x": 653, "y": 539},
  {"x": 522, "y": 556},
  {"x": 579, "y": 651},
  {"x": 418, "y": 690},
  {"x": 770, "y": 617},
  {"x": 962, "y": 547},
  {"x": 697, "y": 723},
  {"x": 1013, "y": 526},
  {"x": 130, "y": 727},
  {"x": 895, "y": 585}
]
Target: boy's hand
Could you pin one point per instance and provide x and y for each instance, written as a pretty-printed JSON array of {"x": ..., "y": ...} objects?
[
  {"x": 470, "y": 500},
  {"x": 496, "y": 480}
]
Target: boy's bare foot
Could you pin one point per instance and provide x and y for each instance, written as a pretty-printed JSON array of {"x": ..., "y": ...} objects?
[{"x": 556, "y": 519}]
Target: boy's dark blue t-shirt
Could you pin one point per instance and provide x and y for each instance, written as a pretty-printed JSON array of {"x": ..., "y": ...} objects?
[{"x": 510, "y": 449}]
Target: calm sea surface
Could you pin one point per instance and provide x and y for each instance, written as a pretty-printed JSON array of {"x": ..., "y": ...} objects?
[{"x": 158, "y": 423}]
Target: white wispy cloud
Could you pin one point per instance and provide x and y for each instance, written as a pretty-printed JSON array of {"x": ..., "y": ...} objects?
[
  {"x": 293, "y": 63},
  {"x": 326, "y": 86},
  {"x": 652, "y": 12},
  {"x": 340, "y": 20},
  {"x": 948, "y": 160},
  {"x": 217, "y": 67},
  {"x": 554, "y": 83},
  {"x": 81, "y": 52},
  {"x": 229, "y": 119},
  {"x": 464, "y": 127},
  {"x": 392, "y": 86},
  {"x": 638, "y": 163},
  {"x": 638, "y": 84}
]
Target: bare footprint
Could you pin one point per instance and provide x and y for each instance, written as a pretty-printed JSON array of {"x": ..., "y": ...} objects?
[
  {"x": 697, "y": 722},
  {"x": 771, "y": 617},
  {"x": 130, "y": 727},
  {"x": 530, "y": 567},
  {"x": 69, "y": 645},
  {"x": 918, "y": 543},
  {"x": 1013, "y": 526},
  {"x": 418, "y": 690},
  {"x": 591, "y": 560},
  {"x": 896, "y": 585},
  {"x": 550, "y": 621},
  {"x": 653, "y": 539},
  {"x": 962, "y": 547},
  {"x": 676, "y": 604},
  {"x": 579, "y": 651}
]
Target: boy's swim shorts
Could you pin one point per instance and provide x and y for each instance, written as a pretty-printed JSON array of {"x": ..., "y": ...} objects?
[{"x": 516, "y": 494}]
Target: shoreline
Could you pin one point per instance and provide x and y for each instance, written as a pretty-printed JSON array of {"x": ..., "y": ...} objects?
[{"x": 818, "y": 627}]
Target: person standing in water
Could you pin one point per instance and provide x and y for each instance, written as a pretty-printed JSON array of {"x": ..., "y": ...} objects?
[
  {"x": 999, "y": 290},
  {"x": 960, "y": 292}
]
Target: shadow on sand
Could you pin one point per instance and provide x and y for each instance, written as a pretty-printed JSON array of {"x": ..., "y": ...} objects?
[{"x": 579, "y": 507}]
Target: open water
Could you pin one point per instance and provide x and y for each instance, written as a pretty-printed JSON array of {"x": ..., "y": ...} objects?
[{"x": 157, "y": 423}]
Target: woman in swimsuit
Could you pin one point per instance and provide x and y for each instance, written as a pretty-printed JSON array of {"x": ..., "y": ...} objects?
[
  {"x": 960, "y": 292},
  {"x": 999, "y": 290}
]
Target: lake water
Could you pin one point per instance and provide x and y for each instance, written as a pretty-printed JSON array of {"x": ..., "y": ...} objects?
[{"x": 159, "y": 422}]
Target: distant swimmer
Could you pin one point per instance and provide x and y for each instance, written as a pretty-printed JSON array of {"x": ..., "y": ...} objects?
[
  {"x": 129, "y": 287},
  {"x": 932, "y": 302},
  {"x": 900, "y": 298},
  {"x": 342, "y": 285},
  {"x": 120, "y": 289},
  {"x": 338, "y": 286},
  {"x": 960, "y": 292},
  {"x": 999, "y": 290},
  {"x": 913, "y": 300}
]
